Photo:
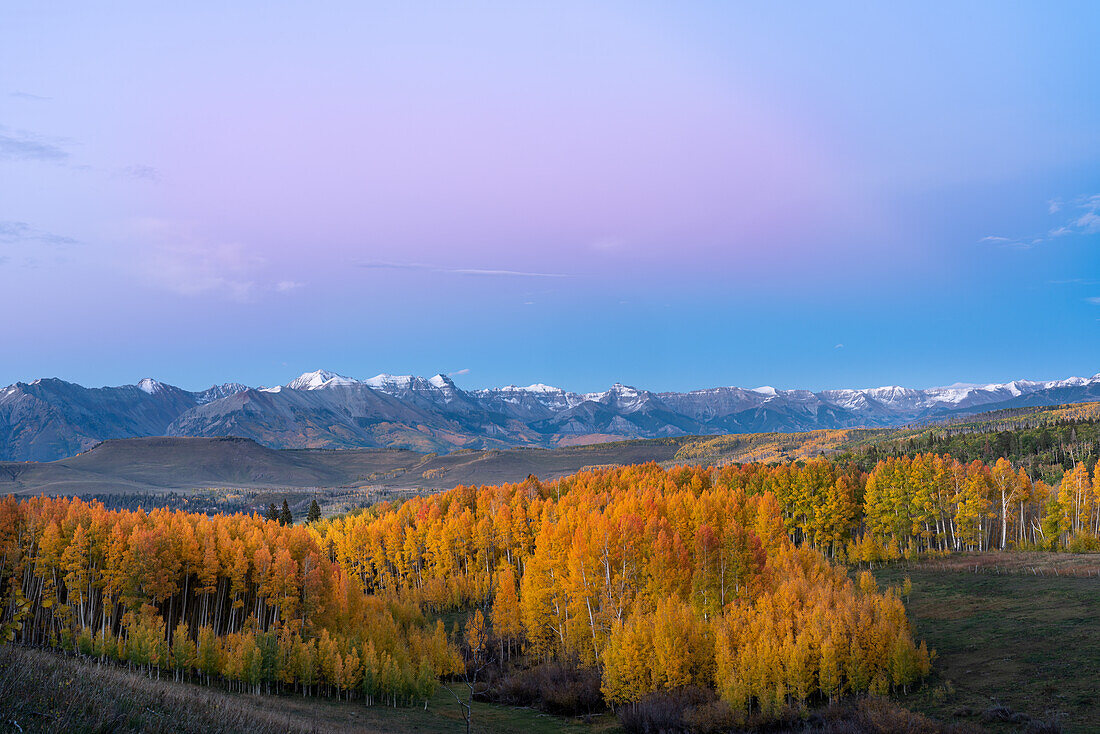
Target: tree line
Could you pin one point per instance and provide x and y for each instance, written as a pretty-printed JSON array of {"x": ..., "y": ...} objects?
[
  {"x": 251, "y": 603},
  {"x": 1047, "y": 448}
]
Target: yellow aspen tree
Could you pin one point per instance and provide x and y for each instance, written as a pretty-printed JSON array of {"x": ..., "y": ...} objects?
[{"x": 507, "y": 616}]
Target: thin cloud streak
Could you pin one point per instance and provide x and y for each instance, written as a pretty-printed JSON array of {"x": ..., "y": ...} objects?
[
  {"x": 1085, "y": 222},
  {"x": 13, "y": 231},
  {"x": 1009, "y": 242},
  {"x": 29, "y": 97},
  {"x": 180, "y": 261},
  {"x": 145, "y": 173},
  {"x": 19, "y": 145},
  {"x": 382, "y": 265}
]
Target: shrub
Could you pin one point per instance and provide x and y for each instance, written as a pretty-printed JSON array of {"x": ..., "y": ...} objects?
[
  {"x": 552, "y": 687},
  {"x": 1083, "y": 543},
  {"x": 664, "y": 712}
]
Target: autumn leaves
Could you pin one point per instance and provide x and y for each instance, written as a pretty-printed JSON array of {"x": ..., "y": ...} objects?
[{"x": 657, "y": 578}]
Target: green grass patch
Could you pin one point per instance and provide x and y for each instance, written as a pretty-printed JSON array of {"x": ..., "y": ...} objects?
[{"x": 1031, "y": 643}]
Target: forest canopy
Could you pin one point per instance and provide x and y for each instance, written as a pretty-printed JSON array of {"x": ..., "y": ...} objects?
[{"x": 656, "y": 578}]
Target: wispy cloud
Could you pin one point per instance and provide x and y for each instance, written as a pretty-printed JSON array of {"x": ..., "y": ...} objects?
[
  {"x": 1086, "y": 218},
  {"x": 1088, "y": 223},
  {"x": 145, "y": 173},
  {"x": 384, "y": 265},
  {"x": 1084, "y": 221},
  {"x": 1094, "y": 300},
  {"x": 518, "y": 273},
  {"x": 12, "y": 231},
  {"x": 20, "y": 145},
  {"x": 839, "y": 346},
  {"x": 27, "y": 96},
  {"x": 1072, "y": 281},
  {"x": 179, "y": 260},
  {"x": 608, "y": 244},
  {"x": 456, "y": 373},
  {"x": 1009, "y": 242},
  {"x": 194, "y": 270}
]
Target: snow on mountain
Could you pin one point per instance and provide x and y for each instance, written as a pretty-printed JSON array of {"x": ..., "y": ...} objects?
[
  {"x": 217, "y": 392},
  {"x": 439, "y": 387},
  {"x": 623, "y": 397},
  {"x": 538, "y": 387},
  {"x": 319, "y": 379},
  {"x": 150, "y": 386},
  {"x": 387, "y": 383},
  {"x": 50, "y": 418}
]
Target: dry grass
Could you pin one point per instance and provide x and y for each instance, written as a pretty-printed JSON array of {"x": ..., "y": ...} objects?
[
  {"x": 1025, "y": 563},
  {"x": 44, "y": 692}
]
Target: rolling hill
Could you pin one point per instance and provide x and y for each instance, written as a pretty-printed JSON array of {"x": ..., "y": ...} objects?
[{"x": 173, "y": 464}]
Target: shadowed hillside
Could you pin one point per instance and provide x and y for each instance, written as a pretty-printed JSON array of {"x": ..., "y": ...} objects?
[{"x": 172, "y": 464}]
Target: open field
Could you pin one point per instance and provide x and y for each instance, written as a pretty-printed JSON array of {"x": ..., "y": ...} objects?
[{"x": 1008, "y": 636}]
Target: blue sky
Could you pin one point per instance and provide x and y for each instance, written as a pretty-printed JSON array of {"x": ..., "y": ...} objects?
[{"x": 668, "y": 195}]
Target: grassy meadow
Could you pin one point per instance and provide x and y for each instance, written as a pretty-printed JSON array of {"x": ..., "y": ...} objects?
[{"x": 1014, "y": 633}]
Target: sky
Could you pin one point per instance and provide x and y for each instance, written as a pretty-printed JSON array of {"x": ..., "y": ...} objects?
[{"x": 667, "y": 195}]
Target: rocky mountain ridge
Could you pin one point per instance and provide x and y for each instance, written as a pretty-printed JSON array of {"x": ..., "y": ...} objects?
[{"x": 50, "y": 418}]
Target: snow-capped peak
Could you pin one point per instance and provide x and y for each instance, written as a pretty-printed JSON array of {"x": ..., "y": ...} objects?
[
  {"x": 217, "y": 392},
  {"x": 441, "y": 381},
  {"x": 319, "y": 379},
  {"x": 150, "y": 386},
  {"x": 401, "y": 382},
  {"x": 538, "y": 387}
]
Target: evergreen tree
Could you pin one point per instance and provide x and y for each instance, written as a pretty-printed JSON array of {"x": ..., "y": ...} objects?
[
  {"x": 272, "y": 513},
  {"x": 285, "y": 518},
  {"x": 314, "y": 513}
]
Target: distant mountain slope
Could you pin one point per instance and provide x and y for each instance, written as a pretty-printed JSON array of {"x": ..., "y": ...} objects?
[
  {"x": 163, "y": 464},
  {"x": 49, "y": 419},
  {"x": 152, "y": 465}
]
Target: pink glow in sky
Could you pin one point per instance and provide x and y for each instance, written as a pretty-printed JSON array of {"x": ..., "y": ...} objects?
[{"x": 671, "y": 195}]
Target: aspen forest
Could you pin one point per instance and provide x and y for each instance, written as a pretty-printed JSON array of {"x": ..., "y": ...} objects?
[{"x": 742, "y": 579}]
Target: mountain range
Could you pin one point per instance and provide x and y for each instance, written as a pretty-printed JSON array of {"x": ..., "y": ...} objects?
[{"x": 48, "y": 419}]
